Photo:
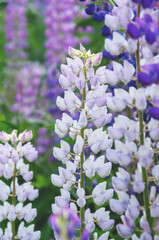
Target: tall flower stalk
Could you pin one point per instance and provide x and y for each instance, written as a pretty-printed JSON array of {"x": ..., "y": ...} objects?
[
  {"x": 82, "y": 153},
  {"x": 141, "y": 137},
  {"x": 88, "y": 102},
  {"x": 136, "y": 149},
  {"x": 13, "y": 151},
  {"x": 16, "y": 33}
]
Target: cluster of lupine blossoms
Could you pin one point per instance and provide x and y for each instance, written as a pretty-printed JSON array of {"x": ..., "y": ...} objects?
[
  {"x": 130, "y": 143},
  {"x": 59, "y": 36},
  {"x": 16, "y": 33},
  {"x": 14, "y": 151},
  {"x": 16, "y": 42},
  {"x": 30, "y": 101},
  {"x": 116, "y": 15},
  {"x": 30, "y": 90},
  {"x": 135, "y": 137},
  {"x": 89, "y": 103},
  {"x": 63, "y": 15}
]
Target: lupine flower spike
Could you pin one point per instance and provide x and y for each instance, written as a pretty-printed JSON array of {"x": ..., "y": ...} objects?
[
  {"x": 15, "y": 150},
  {"x": 86, "y": 95}
]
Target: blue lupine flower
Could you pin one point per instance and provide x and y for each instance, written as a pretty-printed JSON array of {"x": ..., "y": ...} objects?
[
  {"x": 107, "y": 55},
  {"x": 105, "y": 31},
  {"x": 90, "y": 10},
  {"x": 150, "y": 74},
  {"x": 132, "y": 84},
  {"x": 150, "y": 36},
  {"x": 146, "y": 3},
  {"x": 145, "y": 79},
  {"x": 133, "y": 31},
  {"x": 137, "y": 1},
  {"x": 154, "y": 112},
  {"x": 99, "y": 16}
]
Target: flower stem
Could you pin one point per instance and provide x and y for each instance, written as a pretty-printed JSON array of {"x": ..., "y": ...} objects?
[
  {"x": 112, "y": 3},
  {"x": 141, "y": 137},
  {"x": 82, "y": 159},
  {"x": 14, "y": 200}
]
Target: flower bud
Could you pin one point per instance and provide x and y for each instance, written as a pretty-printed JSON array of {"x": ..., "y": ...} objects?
[
  {"x": 96, "y": 58},
  {"x": 72, "y": 52},
  {"x": 4, "y": 137},
  {"x": 14, "y": 138}
]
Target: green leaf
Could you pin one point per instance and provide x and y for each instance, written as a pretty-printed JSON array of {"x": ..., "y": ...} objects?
[
  {"x": 50, "y": 127},
  {"x": 47, "y": 232},
  {"x": 41, "y": 181},
  {"x": 36, "y": 121},
  {"x": 12, "y": 125}
]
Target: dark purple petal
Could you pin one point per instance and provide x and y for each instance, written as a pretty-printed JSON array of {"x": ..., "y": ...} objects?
[
  {"x": 133, "y": 31},
  {"x": 99, "y": 16},
  {"x": 107, "y": 55},
  {"x": 148, "y": 18},
  {"x": 142, "y": 24},
  {"x": 154, "y": 112},
  {"x": 70, "y": 232},
  {"x": 85, "y": 235},
  {"x": 105, "y": 31},
  {"x": 145, "y": 79},
  {"x": 153, "y": 70},
  {"x": 137, "y": 1},
  {"x": 90, "y": 10},
  {"x": 150, "y": 36},
  {"x": 146, "y": 3}
]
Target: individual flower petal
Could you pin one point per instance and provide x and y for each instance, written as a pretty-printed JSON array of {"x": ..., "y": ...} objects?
[
  {"x": 154, "y": 112},
  {"x": 124, "y": 231}
]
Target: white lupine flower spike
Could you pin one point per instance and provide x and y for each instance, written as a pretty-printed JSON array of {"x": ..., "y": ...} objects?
[
  {"x": 16, "y": 150},
  {"x": 89, "y": 100}
]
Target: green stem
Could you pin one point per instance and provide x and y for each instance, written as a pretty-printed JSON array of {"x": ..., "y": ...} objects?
[
  {"x": 82, "y": 159},
  {"x": 141, "y": 137},
  {"x": 112, "y": 3},
  {"x": 14, "y": 200}
]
